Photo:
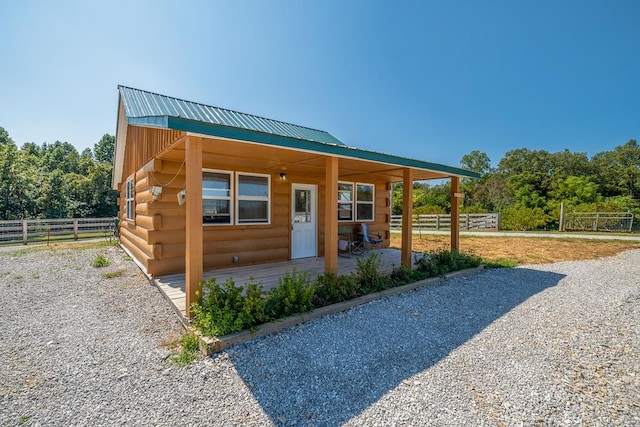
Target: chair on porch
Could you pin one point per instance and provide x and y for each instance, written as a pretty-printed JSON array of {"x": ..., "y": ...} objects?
[
  {"x": 347, "y": 244},
  {"x": 369, "y": 240}
]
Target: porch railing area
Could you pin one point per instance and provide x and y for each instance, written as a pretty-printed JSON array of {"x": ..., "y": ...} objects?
[
  {"x": 480, "y": 221},
  {"x": 47, "y": 230}
]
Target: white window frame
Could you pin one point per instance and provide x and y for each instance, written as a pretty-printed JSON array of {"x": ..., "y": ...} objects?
[
  {"x": 240, "y": 198},
  {"x": 355, "y": 202},
  {"x": 130, "y": 199},
  {"x": 229, "y": 198},
  {"x": 351, "y": 202},
  {"x": 365, "y": 202}
]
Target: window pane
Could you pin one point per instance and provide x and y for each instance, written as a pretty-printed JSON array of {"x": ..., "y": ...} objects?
[
  {"x": 253, "y": 211},
  {"x": 256, "y": 186},
  {"x": 215, "y": 184},
  {"x": 365, "y": 212},
  {"x": 130, "y": 209},
  {"x": 345, "y": 211},
  {"x": 216, "y": 212},
  {"x": 365, "y": 193},
  {"x": 345, "y": 196}
]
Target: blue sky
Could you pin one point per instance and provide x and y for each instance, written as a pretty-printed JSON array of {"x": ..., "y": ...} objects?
[{"x": 432, "y": 80}]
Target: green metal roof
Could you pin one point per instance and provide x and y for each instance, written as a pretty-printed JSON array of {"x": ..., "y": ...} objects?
[
  {"x": 144, "y": 108},
  {"x": 147, "y": 108}
]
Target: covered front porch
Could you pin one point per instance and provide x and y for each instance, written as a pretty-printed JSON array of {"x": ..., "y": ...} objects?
[{"x": 173, "y": 285}]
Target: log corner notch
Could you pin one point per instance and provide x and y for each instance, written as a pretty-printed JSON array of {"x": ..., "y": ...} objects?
[
  {"x": 193, "y": 227},
  {"x": 456, "y": 197}
]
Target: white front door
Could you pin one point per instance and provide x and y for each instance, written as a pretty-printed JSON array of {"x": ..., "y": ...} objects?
[{"x": 304, "y": 223}]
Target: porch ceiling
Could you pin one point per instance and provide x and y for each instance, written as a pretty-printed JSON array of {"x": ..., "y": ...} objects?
[{"x": 241, "y": 154}]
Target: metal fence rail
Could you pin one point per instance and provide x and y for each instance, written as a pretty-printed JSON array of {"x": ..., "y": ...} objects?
[
  {"x": 482, "y": 221},
  {"x": 41, "y": 230},
  {"x": 597, "y": 221}
]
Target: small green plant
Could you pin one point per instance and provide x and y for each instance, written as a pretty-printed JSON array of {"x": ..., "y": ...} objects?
[
  {"x": 221, "y": 310},
  {"x": 294, "y": 294},
  {"x": 368, "y": 275},
  {"x": 188, "y": 351},
  {"x": 100, "y": 261},
  {"x": 23, "y": 419},
  {"x": 403, "y": 275},
  {"x": 331, "y": 289},
  {"x": 443, "y": 261},
  {"x": 114, "y": 274}
]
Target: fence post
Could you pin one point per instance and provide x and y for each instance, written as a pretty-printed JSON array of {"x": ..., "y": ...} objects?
[
  {"x": 437, "y": 221},
  {"x": 595, "y": 225},
  {"x": 468, "y": 223},
  {"x": 561, "y": 225},
  {"x": 25, "y": 231},
  {"x": 75, "y": 229},
  {"x": 631, "y": 223}
]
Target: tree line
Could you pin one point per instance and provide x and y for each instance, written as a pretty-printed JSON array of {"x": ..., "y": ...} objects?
[
  {"x": 526, "y": 186},
  {"x": 529, "y": 186},
  {"x": 55, "y": 181}
]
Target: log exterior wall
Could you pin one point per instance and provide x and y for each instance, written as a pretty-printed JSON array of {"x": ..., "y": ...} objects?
[{"x": 157, "y": 236}]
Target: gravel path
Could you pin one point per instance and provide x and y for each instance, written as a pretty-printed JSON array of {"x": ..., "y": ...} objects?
[{"x": 554, "y": 344}]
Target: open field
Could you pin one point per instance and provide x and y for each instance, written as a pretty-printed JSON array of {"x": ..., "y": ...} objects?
[{"x": 523, "y": 250}]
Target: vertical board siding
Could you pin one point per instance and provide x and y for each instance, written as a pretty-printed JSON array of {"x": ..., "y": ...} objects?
[{"x": 144, "y": 144}]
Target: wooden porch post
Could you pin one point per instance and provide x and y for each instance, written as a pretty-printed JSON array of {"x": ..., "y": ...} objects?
[
  {"x": 331, "y": 216},
  {"x": 407, "y": 217},
  {"x": 455, "y": 213},
  {"x": 193, "y": 228}
]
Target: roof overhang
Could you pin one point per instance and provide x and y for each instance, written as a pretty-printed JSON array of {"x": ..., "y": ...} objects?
[{"x": 209, "y": 129}]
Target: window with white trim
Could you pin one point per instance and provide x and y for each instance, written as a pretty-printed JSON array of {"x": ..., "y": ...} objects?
[
  {"x": 239, "y": 198},
  {"x": 130, "y": 200},
  {"x": 355, "y": 201},
  {"x": 345, "y": 201},
  {"x": 364, "y": 202},
  {"x": 252, "y": 198},
  {"x": 216, "y": 197}
]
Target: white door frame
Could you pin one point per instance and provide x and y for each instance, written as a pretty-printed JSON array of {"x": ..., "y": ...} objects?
[{"x": 304, "y": 245}]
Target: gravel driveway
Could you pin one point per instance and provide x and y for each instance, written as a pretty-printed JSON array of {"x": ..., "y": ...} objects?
[{"x": 554, "y": 344}]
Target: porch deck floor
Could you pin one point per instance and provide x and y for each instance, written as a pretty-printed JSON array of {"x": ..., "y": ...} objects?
[{"x": 267, "y": 275}]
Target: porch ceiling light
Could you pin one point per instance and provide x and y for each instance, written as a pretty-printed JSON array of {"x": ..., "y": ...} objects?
[{"x": 283, "y": 176}]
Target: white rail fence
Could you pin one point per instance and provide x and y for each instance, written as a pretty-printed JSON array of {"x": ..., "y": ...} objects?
[
  {"x": 481, "y": 221},
  {"x": 46, "y": 230}
]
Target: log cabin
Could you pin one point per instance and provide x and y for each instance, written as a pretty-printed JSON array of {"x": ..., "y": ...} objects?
[{"x": 203, "y": 187}]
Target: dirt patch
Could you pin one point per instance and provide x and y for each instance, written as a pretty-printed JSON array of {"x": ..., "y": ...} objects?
[{"x": 524, "y": 250}]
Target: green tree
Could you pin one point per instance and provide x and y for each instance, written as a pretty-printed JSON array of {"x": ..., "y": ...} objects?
[
  {"x": 618, "y": 171},
  {"x": 52, "y": 202},
  {"x": 104, "y": 149},
  {"x": 60, "y": 155},
  {"x": 476, "y": 161},
  {"x": 574, "y": 190},
  {"x": 4, "y": 137},
  {"x": 8, "y": 155}
]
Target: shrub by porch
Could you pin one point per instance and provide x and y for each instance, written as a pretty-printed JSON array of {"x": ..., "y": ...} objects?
[{"x": 226, "y": 309}]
